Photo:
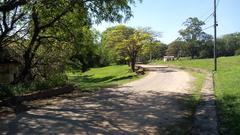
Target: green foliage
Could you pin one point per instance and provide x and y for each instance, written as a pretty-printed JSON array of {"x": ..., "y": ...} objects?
[
  {"x": 193, "y": 30},
  {"x": 227, "y": 80},
  {"x": 52, "y": 32},
  {"x": 97, "y": 78},
  {"x": 126, "y": 43},
  {"x": 228, "y": 44},
  {"x": 196, "y": 92},
  {"x": 196, "y": 39},
  {"x": 177, "y": 49},
  {"x": 204, "y": 54},
  {"x": 237, "y": 52},
  {"x": 37, "y": 85},
  {"x": 112, "y": 39},
  {"x": 153, "y": 50}
]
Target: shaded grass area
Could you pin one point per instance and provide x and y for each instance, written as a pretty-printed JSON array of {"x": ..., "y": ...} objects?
[
  {"x": 227, "y": 89},
  {"x": 98, "y": 78}
]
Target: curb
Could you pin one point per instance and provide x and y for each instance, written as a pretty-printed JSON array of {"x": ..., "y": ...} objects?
[{"x": 16, "y": 100}]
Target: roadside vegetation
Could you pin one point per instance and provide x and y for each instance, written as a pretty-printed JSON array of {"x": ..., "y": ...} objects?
[
  {"x": 40, "y": 41},
  {"x": 227, "y": 88},
  {"x": 97, "y": 78},
  {"x": 46, "y": 44},
  {"x": 91, "y": 80},
  {"x": 196, "y": 91},
  {"x": 8, "y": 90}
]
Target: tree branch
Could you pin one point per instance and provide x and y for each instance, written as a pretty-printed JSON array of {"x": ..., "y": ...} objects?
[{"x": 10, "y": 5}]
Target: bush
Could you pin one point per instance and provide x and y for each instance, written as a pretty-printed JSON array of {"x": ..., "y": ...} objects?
[
  {"x": 237, "y": 52},
  {"x": 204, "y": 54},
  {"x": 37, "y": 85}
]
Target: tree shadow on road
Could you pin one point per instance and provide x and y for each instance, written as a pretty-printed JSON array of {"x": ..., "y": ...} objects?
[{"x": 105, "y": 112}]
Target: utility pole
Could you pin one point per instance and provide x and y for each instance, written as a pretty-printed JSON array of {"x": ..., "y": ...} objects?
[{"x": 215, "y": 35}]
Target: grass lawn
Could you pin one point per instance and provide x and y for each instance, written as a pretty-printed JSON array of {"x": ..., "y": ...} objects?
[
  {"x": 227, "y": 80},
  {"x": 97, "y": 78}
]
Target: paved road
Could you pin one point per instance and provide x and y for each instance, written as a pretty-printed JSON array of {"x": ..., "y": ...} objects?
[{"x": 151, "y": 105}]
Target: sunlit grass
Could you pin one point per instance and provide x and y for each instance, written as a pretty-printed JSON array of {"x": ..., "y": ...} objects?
[{"x": 97, "y": 78}]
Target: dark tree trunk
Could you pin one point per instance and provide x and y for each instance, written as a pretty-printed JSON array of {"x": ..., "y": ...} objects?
[
  {"x": 133, "y": 63},
  {"x": 25, "y": 74}
]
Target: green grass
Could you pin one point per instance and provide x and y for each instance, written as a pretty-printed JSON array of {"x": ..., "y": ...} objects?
[
  {"x": 188, "y": 63},
  {"x": 196, "y": 92},
  {"x": 97, "y": 78},
  {"x": 227, "y": 89},
  {"x": 94, "y": 79}
]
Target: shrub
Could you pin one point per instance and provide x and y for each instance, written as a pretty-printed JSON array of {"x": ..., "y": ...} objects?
[
  {"x": 237, "y": 52},
  {"x": 204, "y": 54},
  {"x": 37, "y": 85}
]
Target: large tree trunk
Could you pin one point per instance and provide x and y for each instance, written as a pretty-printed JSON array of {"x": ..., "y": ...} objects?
[
  {"x": 25, "y": 74},
  {"x": 133, "y": 63}
]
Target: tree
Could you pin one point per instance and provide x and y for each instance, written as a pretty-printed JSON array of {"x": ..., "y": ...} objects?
[
  {"x": 41, "y": 16},
  {"x": 127, "y": 42},
  {"x": 12, "y": 14},
  {"x": 153, "y": 50},
  {"x": 194, "y": 36},
  {"x": 193, "y": 30},
  {"x": 231, "y": 43},
  {"x": 177, "y": 49},
  {"x": 134, "y": 44},
  {"x": 113, "y": 39}
]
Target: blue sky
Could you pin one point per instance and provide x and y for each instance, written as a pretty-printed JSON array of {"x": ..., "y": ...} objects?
[{"x": 167, "y": 16}]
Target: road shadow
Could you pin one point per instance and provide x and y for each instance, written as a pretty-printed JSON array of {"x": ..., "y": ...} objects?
[{"x": 108, "y": 112}]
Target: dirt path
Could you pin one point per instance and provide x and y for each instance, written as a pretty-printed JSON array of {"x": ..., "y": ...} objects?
[
  {"x": 154, "y": 104},
  {"x": 205, "y": 118}
]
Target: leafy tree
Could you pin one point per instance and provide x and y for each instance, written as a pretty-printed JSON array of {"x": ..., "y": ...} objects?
[
  {"x": 134, "y": 44},
  {"x": 113, "y": 39},
  {"x": 231, "y": 43},
  {"x": 12, "y": 14},
  {"x": 206, "y": 49},
  {"x": 153, "y": 50},
  {"x": 127, "y": 42},
  {"x": 194, "y": 36},
  {"x": 193, "y": 30},
  {"x": 177, "y": 49},
  {"x": 35, "y": 19}
]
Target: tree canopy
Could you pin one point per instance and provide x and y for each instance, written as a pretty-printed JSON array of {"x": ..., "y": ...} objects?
[
  {"x": 29, "y": 28},
  {"x": 126, "y": 42}
]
